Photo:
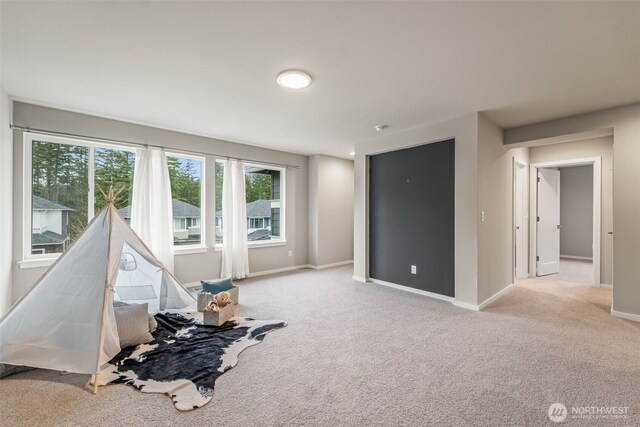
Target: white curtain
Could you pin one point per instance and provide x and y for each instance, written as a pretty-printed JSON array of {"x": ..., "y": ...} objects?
[
  {"x": 235, "y": 252},
  {"x": 151, "y": 207}
]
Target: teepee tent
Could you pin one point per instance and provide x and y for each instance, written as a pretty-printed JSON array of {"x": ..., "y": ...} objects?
[{"x": 66, "y": 321}]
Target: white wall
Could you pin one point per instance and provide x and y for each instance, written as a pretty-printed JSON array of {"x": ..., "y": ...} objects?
[
  {"x": 465, "y": 132},
  {"x": 592, "y": 147},
  {"x": 330, "y": 210},
  {"x": 6, "y": 202},
  {"x": 576, "y": 211},
  {"x": 189, "y": 267},
  {"x": 625, "y": 124}
]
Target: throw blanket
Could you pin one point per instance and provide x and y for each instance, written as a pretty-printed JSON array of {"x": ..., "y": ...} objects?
[{"x": 185, "y": 357}]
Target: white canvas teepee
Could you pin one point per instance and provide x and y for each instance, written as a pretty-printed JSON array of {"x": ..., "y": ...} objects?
[{"x": 66, "y": 321}]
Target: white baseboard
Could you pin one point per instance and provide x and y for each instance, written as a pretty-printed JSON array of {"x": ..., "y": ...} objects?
[
  {"x": 191, "y": 285},
  {"x": 486, "y": 302},
  {"x": 412, "y": 290},
  {"x": 606, "y": 286},
  {"x": 335, "y": 264},
  {"x": 278, "y": 270},
  {"x": 359, "y": 279},
  {"x": 283, "y": 270},
  {"x": 586, "y": 258},
  {"x": 495, "y": 297},
  {"x": 256, "y": 274},
  {"x": 466, "y": 305},
  {"x": 627, "y": 316}
]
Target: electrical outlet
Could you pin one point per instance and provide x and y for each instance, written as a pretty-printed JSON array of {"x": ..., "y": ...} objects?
[
  {"x": 290, "y": 253},
  {"x": 414, "y": 269},
  {"x": 482, "y": 216}
]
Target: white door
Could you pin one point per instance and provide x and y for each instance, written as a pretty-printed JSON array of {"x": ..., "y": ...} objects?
[
  {"x": 548, "y": 257},
  {"x": 520, "y": 221}
]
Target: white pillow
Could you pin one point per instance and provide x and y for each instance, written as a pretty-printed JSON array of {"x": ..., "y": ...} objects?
[{"x": 133, "y": 324}]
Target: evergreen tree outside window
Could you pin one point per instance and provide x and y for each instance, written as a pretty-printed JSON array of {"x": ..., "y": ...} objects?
[
  {"x": 186, "y": 177},
  {"x": 264, "y": 197},
  {"x": 66, "y": 178}
]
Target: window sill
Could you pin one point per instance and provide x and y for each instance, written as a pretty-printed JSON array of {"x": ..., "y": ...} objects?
[
  {"x": 36, "y": 263},
  {"x": 256, "y": 245},
  {"x": 187, "y": 251}
]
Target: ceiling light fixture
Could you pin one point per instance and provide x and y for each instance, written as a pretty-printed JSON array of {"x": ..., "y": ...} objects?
[
  {"x": 353, "y": 153},
  {"x": 294, "y": 79},
  {"x": 380, "y": 128}
]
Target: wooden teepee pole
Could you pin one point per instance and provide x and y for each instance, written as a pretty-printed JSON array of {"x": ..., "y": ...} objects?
[{"x": 107, "y": 289}]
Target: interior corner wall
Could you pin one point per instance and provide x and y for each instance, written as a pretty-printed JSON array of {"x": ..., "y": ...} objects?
[
  {"x": 330, "y": 211},
  {"x": 313, "y": 209},
  {"x": 624, "y": 121},
  {"x": 592, "y": 147},
  {"x": 6, "y": 202},
  {"x": 464, "y": 131},
  {"x": 495, "y": 203},
  {"x": 192, "y": 267}
]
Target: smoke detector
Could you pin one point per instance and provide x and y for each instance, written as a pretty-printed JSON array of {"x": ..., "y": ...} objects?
[{"x": 380, "y": 128}]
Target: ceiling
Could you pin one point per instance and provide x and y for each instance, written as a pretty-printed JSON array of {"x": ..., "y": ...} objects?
[{"x": 210, "y": 67}]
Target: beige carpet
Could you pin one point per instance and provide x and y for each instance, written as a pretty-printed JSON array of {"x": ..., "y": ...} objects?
[
  {"x": 359, "y": 354},
  {"x": 573, "y": 270}
]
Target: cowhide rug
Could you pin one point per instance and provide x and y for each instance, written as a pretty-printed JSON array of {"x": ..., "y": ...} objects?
[{"x": 185, "y": 358}]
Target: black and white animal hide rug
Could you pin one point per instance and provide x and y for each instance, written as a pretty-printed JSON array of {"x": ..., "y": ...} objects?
[{"x": 185, "y": 358}]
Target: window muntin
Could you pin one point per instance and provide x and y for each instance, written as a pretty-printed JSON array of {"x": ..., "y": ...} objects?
[{"x": 66, "y": 176}]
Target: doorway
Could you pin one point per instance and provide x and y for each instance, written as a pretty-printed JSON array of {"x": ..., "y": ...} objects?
[{"x": 565, "y": 240}]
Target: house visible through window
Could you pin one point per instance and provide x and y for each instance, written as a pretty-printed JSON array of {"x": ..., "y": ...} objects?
[
  {"x": 263, "y": 197},
  {"x": 67, "y": 176},
  {"x": 186, "y": 175},
  {"x": 63, "y": 195}
]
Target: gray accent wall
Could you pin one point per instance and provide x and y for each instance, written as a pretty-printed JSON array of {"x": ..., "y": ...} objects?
[
  {"x": 188, "y": 267},
  {"x": 464, "y": 131},
  {"x": 576, "y": 211},
  {"x": 411, "y": 217},
  {"x": 483, "y": 183}
]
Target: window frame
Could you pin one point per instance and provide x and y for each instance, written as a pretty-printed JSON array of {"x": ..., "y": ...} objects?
[
  {"x": 282, "y": 241},
  {"x": 27, "y": 186},
  {"x": 202, "y": 246},
  {"x": 45, "y": 259}
]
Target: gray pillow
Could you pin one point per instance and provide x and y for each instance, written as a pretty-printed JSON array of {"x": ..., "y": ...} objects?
[
  {"x": 133, "y": 324},
  {"x": 153, "y": 323}
]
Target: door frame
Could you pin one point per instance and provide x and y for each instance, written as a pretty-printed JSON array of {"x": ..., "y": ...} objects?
[
  {"x": 518, "y": 165},
  {"x": 597, "y": 209}
]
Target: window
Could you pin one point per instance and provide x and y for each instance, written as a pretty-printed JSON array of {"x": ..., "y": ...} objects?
[
  {"x": 264, "y": 196},
  {"x": 186, "y": 176},
  {"x": 179, "y": 224},
  {"x": 64, "y": 195}
]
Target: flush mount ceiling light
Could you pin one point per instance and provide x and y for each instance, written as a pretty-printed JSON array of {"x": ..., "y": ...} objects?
[
  {"x": 353, "y": 153},
  {"x": 380, "y": 128},
  {"x": 294, "y": 79}
]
